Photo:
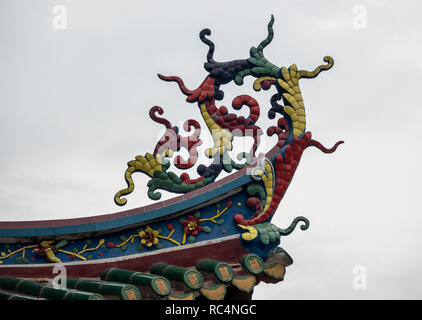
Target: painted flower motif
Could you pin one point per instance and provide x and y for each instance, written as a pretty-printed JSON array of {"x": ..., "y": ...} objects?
[
  {"x": 149, "y": 236},
  {"x": 229, "y": 204},
  {"x": 192, "y": 226},
  {"x": 110, "y": 244}
]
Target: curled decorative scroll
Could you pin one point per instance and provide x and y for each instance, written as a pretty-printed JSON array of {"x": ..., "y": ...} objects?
[
  {"x": 282, "y": 131},
  {"x": 190, "y": 143},
  {"x": 225, "y": 125},
  {"x": 154, "y": 165},
  {"x": 170, "y": 139}
]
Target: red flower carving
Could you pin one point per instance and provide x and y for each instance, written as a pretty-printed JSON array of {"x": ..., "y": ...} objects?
[
  {"x": 170, "y": 226},
  {"x": 192, "y": 226},
  {"x": 229, "y": 204},
  {"x": 110, "y": 244}
]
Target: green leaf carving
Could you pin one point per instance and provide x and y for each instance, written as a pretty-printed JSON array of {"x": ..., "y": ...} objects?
[
  {"x": 61, "y": 244},
  {"x": 264, "y": 238}
]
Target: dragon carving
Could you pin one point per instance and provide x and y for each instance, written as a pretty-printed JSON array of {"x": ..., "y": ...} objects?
[{"x": 273, "y": 179}]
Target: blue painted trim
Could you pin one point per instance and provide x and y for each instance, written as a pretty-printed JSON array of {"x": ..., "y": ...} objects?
[{"x": 128, "y": 220}]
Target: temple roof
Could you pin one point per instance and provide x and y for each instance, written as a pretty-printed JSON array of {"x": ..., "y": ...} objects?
[{"x": 208, "y": 279}]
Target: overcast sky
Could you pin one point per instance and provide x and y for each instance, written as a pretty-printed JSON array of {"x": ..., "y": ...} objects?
[{"x": 74, "y": 109}]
